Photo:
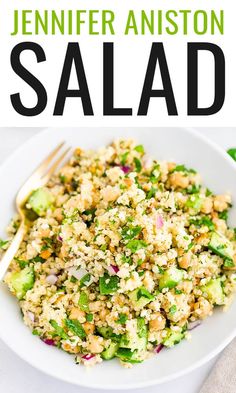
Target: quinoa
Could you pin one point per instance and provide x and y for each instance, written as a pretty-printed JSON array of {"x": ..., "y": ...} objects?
[{"x": 122, "y": 254}]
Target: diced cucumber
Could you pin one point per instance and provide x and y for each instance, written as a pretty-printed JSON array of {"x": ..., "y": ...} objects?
[
  {"x": 221, "y": 246},
  {"x": 107, "y": 332},
  {"x": 40, "y": 200},
  {"x": 110, "y": 352},
  {"x": 170, "y": 278},
  {"x": 138, "y": 339},
  {"x": 22, "y": 281},
  {"x": 140, "y": 297},
  {"x": 129, "y": 356},
  {"x": 194, "y": 202},
  {"x": 214, "y": 291},
  {"x": 173, "y": 338}
]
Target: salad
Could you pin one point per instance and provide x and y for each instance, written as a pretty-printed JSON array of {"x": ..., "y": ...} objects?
[{"x": 124, "y": 255}]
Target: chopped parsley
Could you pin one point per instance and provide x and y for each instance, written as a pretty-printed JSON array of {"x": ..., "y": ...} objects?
[
  {"x": 182, "y": 168},
  {"x": 232, "y": 153},
  {"x": 89, "y": 317},
  {"x": 172, "y": 309},
  {"x": 203, "y": 221},
  {"x": 123, "y": 158},
  {"x": 138, "y": 165},
  {"x": 223, "y": 215},
  {"x": 75, "y": 327},
  {"x": 58, "y": 330},
  {"x": 143, "y": 292},
  {"x": 139, "y": 149},
  {"x": 135, "y": 245},
  {"x": 3, "y": 243},
  {"x": 129, "y": 233},
  {"x": 122, "y": 319},
  {"x": 151, "y": 193}
]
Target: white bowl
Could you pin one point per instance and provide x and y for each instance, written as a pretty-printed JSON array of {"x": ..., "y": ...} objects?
[{"x": 184, "y": 146}]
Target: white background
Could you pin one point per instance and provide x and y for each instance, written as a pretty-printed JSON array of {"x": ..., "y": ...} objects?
[
  {"x": 131, "y": 57},
  {"x": 18, "y": 377}
]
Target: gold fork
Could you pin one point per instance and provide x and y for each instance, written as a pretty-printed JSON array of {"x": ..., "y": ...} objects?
[{"x": 38, "y": 179}]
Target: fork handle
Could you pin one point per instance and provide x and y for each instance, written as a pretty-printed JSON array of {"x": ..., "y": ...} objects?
[{"x": 12, "y": 250}]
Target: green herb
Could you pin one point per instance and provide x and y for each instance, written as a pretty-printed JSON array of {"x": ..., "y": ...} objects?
[
  {"x": 223, "y": 215},
  {"x": 126, "y": 259},
  {"x": 123, "y": 158},
  {"x": 108, "y": 284},
  {"x": 151, "y": 193},
  {"x": 75, "y": 327},
  {"x": 21, "y": 263},
  {"x": 35, "y": 332},
  {"x": 37, "y": 259},
  {"x": 173, "y": 309},
  {"x": 208, "y": 192},
  {"x": 129, "y": 233},
  {"x": 62, "y": 179},
  {"x": 84, "y": 302},
  {"x": 139, "y": 148},
  {"x": 178, "y": 291},
  {"x": 203, "y": 221},
  {"x": 228, "y": 263},
  {"x": 193, "y": 189},
  {"x": 59, "y": 330},
  {"x": 182, "y": 168},
  {"x": 141, "y": 273},
  {"x": 103, "y": 247},
  {"x": 139, "y": 262},
  {"x": 143, "y": 292},
  {"x": 89, "y": 212},
  {"x": 3, "y": 243},
  {"x": 85, "y": 279},
  {"x": 89, "y": 317},
  {"x": 73, "y": 279},
  {"x": 232, "y": 153},
  {"x": 138, "y": 165},
  {"x": 194, "y": 202},
  {"x": 122, "y": 319},
  {"x": 155, "y": 174},
  {"x": 135, "y": 245}
]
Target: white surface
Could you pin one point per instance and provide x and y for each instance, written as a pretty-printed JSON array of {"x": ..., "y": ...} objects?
[{"x": 29, "y": 378}]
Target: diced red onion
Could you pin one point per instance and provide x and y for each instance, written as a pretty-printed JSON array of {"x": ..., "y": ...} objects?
[
  {"x": 88, "y": 356},
  {"x": 77, "y": 273},
  {"x": 125, "y": 168},
  {"x": 159, "y": 348},
  {"x": 48, "y": 341},
  {"x": 193, "y": 325},
  {"x": 113, "y": 269},
  {"x": 31, "y": 316},
  {"x": 60, "y": 239},
  {"x": 51, "y": 279},
  {"x": 159, "y": 222}
]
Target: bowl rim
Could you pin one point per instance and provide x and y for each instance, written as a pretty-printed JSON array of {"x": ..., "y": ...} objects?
[{"x": 132, "y": 385}]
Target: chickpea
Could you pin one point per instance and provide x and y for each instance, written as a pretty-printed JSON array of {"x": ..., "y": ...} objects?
[
  {"x": 185, "y": 260},
  {"x": 89, "y": 328},
  {"x": 202, "y": 308},
  {"x": 178, "y": 179},
  {"x": 221, "y": 202},
  {"x": 158, "y": 323},
  {"x": 76, "y": 313},
  {"x": 207, "y": 206},
  {"x": 95, "y": 344}
]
